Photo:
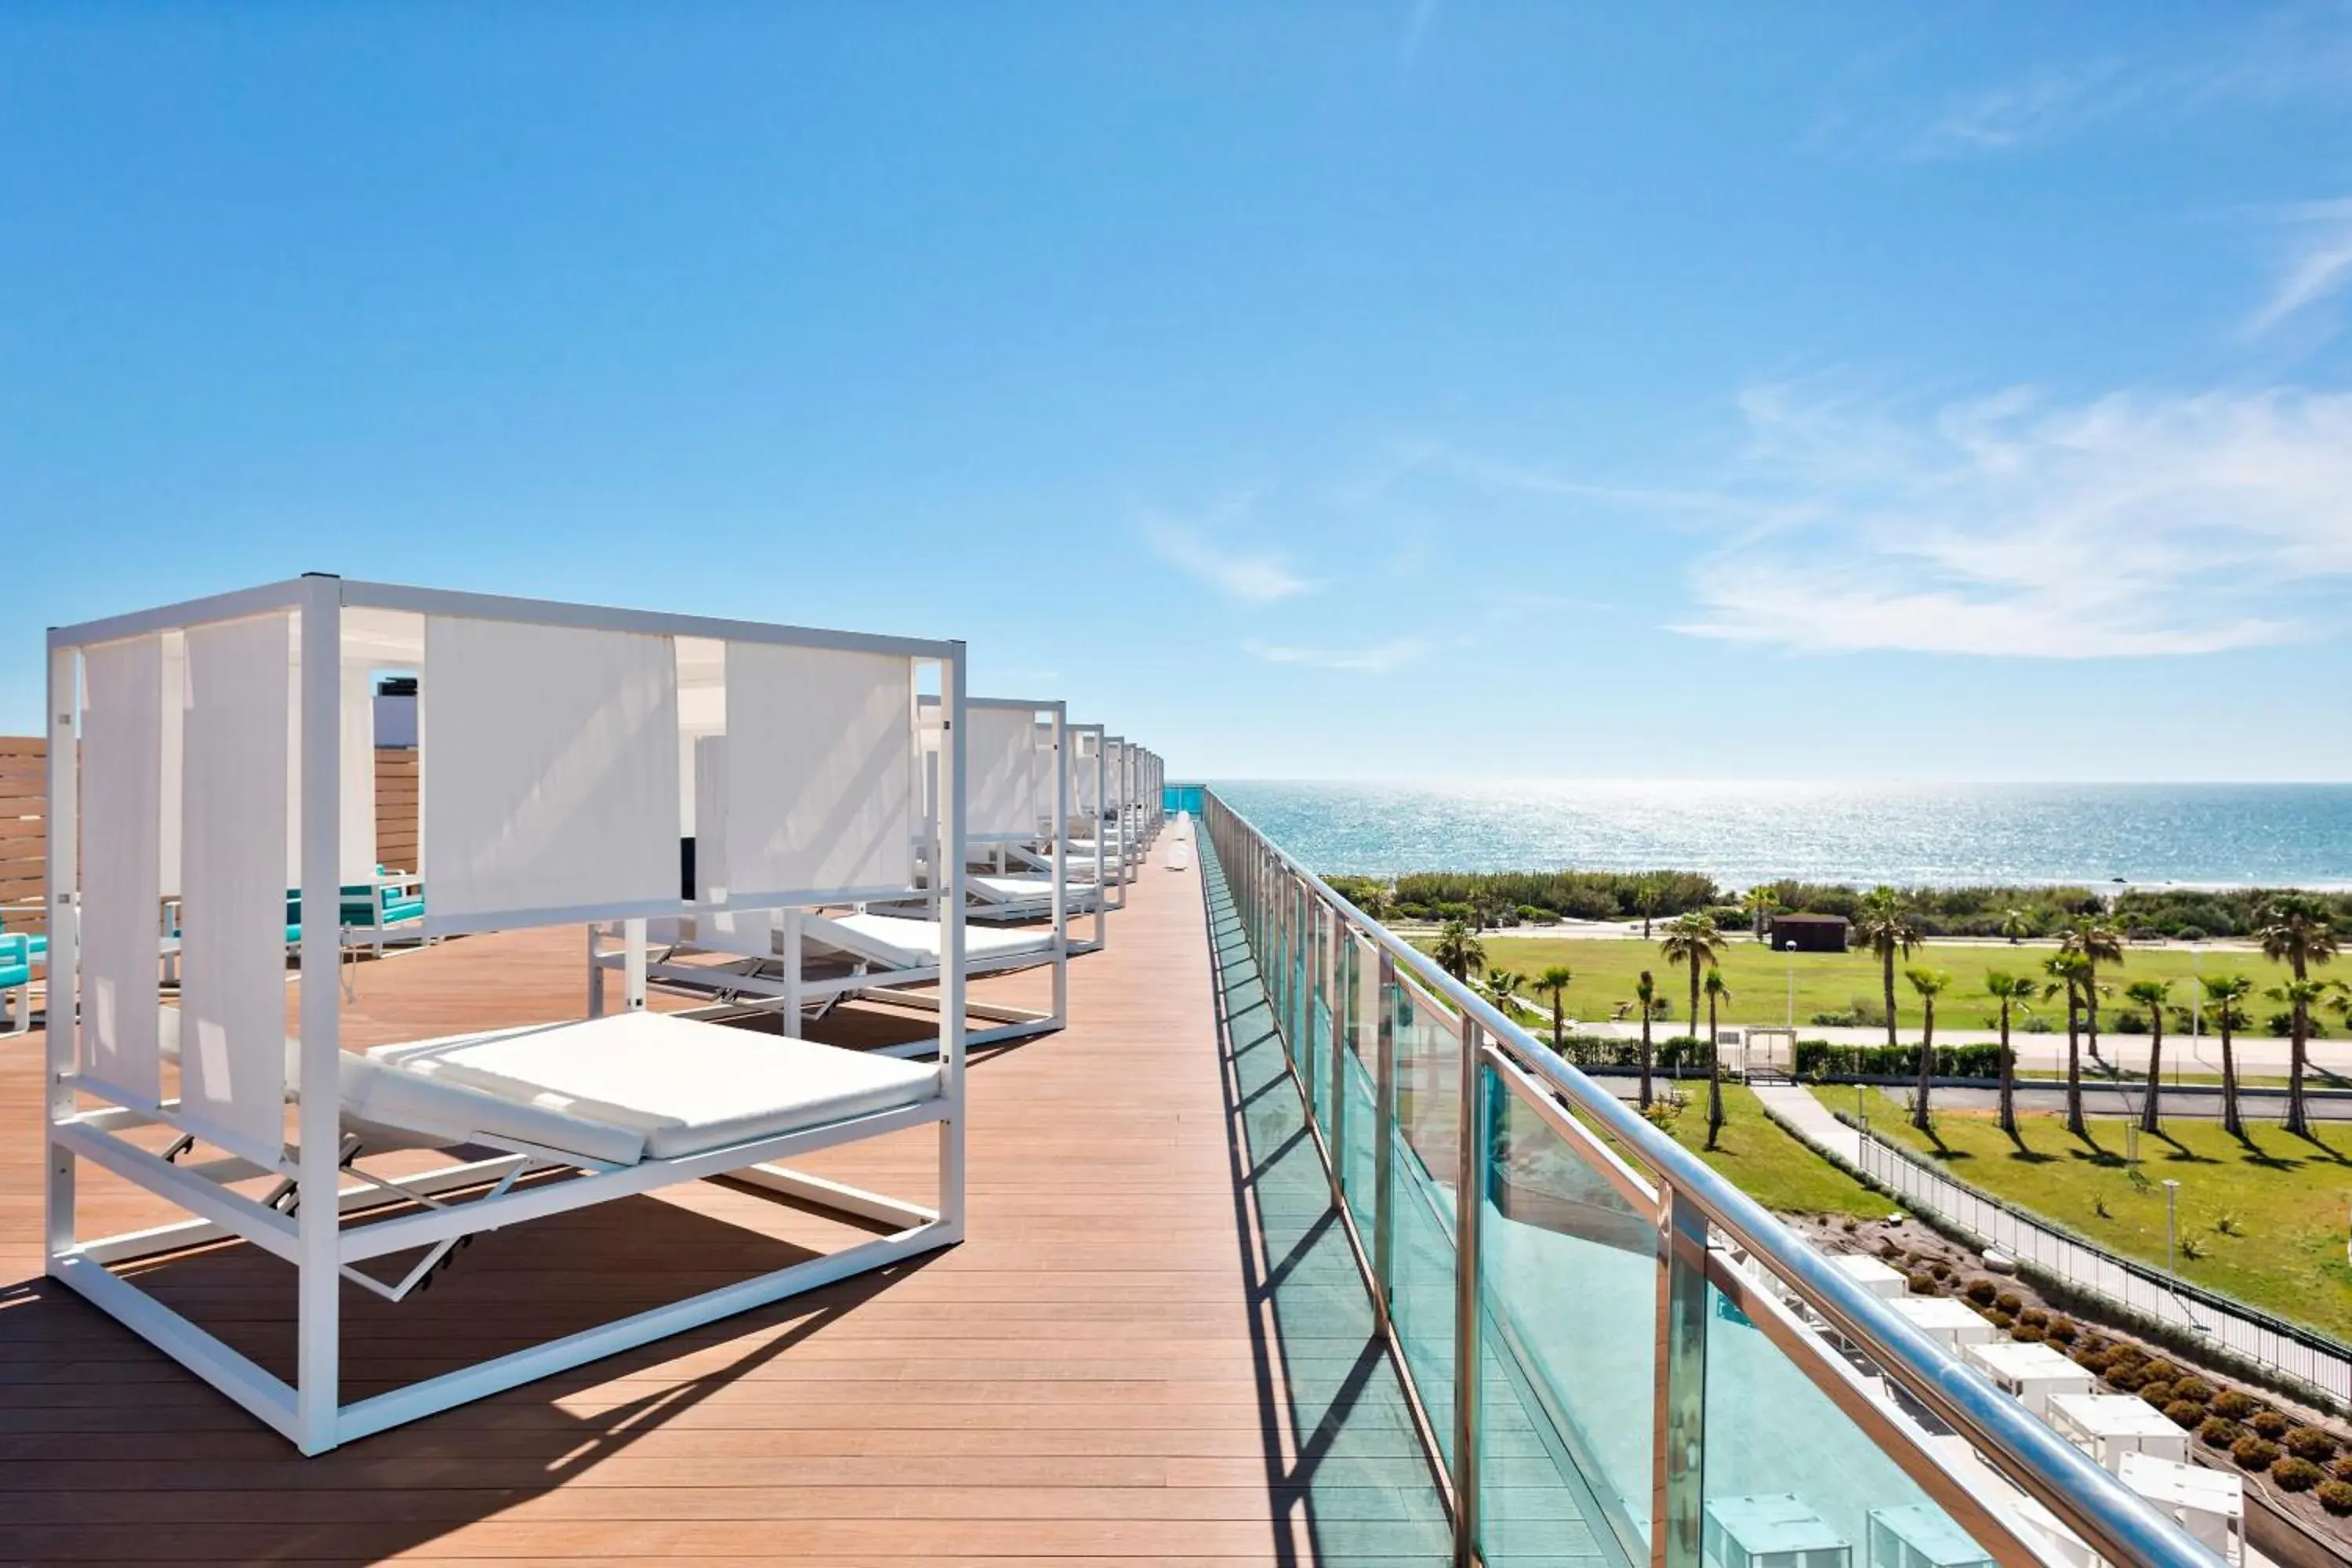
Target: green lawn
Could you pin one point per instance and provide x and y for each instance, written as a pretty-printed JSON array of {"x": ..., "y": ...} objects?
[
  {"x": 2288, "y": 1196},
  {"x": 1765, "y": 1162},
  {"x": 1829, "y": 982}
]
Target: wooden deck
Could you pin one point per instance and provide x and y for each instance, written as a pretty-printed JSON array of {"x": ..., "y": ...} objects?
[{"x": 1087, "y": 1379}]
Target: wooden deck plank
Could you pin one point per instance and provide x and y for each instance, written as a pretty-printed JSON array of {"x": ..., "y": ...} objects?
[{"x": 1080, "y": 1382}]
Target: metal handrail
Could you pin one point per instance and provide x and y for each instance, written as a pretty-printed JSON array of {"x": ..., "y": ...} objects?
[{"x": 2114, "y": 1521}]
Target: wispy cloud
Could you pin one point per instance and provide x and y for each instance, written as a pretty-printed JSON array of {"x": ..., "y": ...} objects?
[
  {"x": 1255, "y": 577},
  {"x": 2317, "y": 267},
  {"x": 2131, "y": 525},
  {"x": 2245, "y": 56},
  {"x": 1381, "y": 659},
  {"x": 2039, "y": 108}
]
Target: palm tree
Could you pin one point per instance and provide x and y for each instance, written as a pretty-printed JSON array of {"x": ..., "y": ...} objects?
[
  {"x": 2152, "y": 995},
  {"x": 1761, "y": 905},
  {"x": 2016, "y": 925},
  {"x": 1552, "y": 982},
  {"x": 1929, "y": 984},
  {"x": 2011, "y": 991},
  {"x": 1716, "y": 992},
  {"x": 2225, "y": 992},
  {"x": 1691, "y": 938},
  {"x": 1646, "y": 891},
  {"x": 2098, "y": 943},
  {"x": 1500, "y": 987},
  {"x": 1458, "y": 949},
  {"x": 1884, "y": 922},
  {"x": 1645, "y": 992},
  {"x": 2295, "y": 931},
  {"x": 2065, "y": 972}
]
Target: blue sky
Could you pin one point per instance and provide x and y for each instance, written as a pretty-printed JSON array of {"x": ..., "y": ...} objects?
[{"x": 1950, "y": 391}]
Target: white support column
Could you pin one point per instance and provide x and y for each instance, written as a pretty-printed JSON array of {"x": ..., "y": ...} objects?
[
  {"x": 65, "y": 926},
  {"x": 633, "y": 964},
  {"x": 319, "y": 1115},
  {"x": 789, "y": 925},
  {"x": 1102, "y": 887},
  {"x": 952, "y": 820},
  {"x": 1061, "y": 865},
  {"x": 595, "y": 972}
]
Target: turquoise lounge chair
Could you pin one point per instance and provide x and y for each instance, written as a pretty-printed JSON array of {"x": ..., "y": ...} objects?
[{"x": 16, "y": 980}]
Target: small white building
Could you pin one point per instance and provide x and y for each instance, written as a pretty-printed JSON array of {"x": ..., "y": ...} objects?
[
  {"x": 2034, "y": 1374},
  {"x": 1954, "y": 1324},
  {"x": 2109, "y": 1426},
  {"x": 2210, "y": 1504},
  {"x": 1871, "y": 1274}
]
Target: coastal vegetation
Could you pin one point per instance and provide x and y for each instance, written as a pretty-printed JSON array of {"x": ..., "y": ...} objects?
[{"x": 1507, "y": 899}]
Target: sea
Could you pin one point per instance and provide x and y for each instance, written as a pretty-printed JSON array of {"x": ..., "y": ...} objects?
[{"x": 1918, "y": 835}]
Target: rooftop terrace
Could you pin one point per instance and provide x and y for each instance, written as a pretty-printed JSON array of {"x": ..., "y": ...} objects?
[{"x": 1099, "y": 1374}]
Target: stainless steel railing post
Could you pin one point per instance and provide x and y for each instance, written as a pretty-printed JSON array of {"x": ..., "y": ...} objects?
[
  {"x": 1384, "y": 1097},
  {"x": 1679, "y": 1446},
  {"x": 1469, "y": 1202}
]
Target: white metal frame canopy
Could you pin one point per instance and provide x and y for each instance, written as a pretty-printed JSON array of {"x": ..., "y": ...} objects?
[{"x": 195, "y": 745}]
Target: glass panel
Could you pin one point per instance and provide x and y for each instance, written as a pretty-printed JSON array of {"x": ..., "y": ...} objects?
[
  {"x": 1789, "y": 1479},
  {"x": 1569, "y": 1283},
  {"x": 1429, "y": 1090},
  {"x": 1357, "y": 1167},
  {"x": 1319, "y": 1065}
]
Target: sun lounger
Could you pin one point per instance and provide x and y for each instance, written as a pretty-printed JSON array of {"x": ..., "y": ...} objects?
[{"x": 554, "y": 740}]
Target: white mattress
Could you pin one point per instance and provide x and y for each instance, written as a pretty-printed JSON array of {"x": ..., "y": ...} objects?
[
  {"x": 913, "y": 943},
  {"x": 680, "y": 1085},
  {"x": 1016, "y": 885}
]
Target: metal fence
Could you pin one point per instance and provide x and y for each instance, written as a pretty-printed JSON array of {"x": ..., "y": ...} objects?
[{"x": 2287, "y": 1348}]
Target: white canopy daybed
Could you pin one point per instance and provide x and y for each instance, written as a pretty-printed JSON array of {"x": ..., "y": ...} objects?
[
  {"x": 882, "y": 946},
  {"x": 550, "y": 795}
]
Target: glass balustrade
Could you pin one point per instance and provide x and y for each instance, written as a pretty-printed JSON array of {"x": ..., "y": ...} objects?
[{"x": 1664, "y": 1375}]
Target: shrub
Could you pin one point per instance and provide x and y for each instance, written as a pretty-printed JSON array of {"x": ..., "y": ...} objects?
[
  {"x": 2216, "y": 1433},
  {"x": 2002, "y": 1320},
  {"x": 2088, "y": 1360},
  {"x": 2194, "y": 1388},
  {"x": 2234, "y": 1402},
  {"x": 2157, "y": 1394},
  {"x": 2061, "y": 1331},
  {"x": 2127, "y": 1377},
  {"x": 2161, "y": 1371},
  {"x": 2297, "y": 1475},
  {"x": 2034, "y": 1315},
  {"x": 2184, "y": 1413},
  {"x": 1888, "y": 1250},
  {"x": 2311, "y": 1443},
  {"x": 1940, "y": 1269},
  {"x": 2344, "y": 1469},
  {"x": 2026, "y": 1334},
  {"x": 1981, "y": 1291},
  {"x": 1923, "y": 1284},
  {"x": 2007, "y": 1302},
  {"x": 2254, "y": 1453},
  {"x": 2270, "y": 1423},
  {"x": 2335, "y": 1497}
]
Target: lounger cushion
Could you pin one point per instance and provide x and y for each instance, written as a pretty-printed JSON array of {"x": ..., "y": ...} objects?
[
  {"x": 910, "y": 943},
  {"x": 684, "y": 1086}
]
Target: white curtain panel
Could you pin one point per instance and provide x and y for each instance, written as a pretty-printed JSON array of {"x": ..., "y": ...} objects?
[
  {"x": 822, "y": 792},
  {"x": 236, "y": 805},
  {"x": 550, "y": 769},
  {"x": 1002, "y": 757},
  {"x": 358, "y": 768},
  {"x": 1082, "y": 804},
  {"x": 121, "y": 872}
]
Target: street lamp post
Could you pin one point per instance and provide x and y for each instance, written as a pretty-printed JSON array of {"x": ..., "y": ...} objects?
[
  {"x": 1789, "y": 947},
  {"x": 2171, "y": 1231}
]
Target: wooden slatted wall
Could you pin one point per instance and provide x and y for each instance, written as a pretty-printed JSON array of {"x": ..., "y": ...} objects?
[
  {"x": 395, "y": 807},
  {"x": 24, "y": 824},
  {"x": 24, "y": 838}
]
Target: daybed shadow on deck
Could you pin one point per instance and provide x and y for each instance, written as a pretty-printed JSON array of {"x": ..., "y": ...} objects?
[{"x": 1083, "y": 1379}]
